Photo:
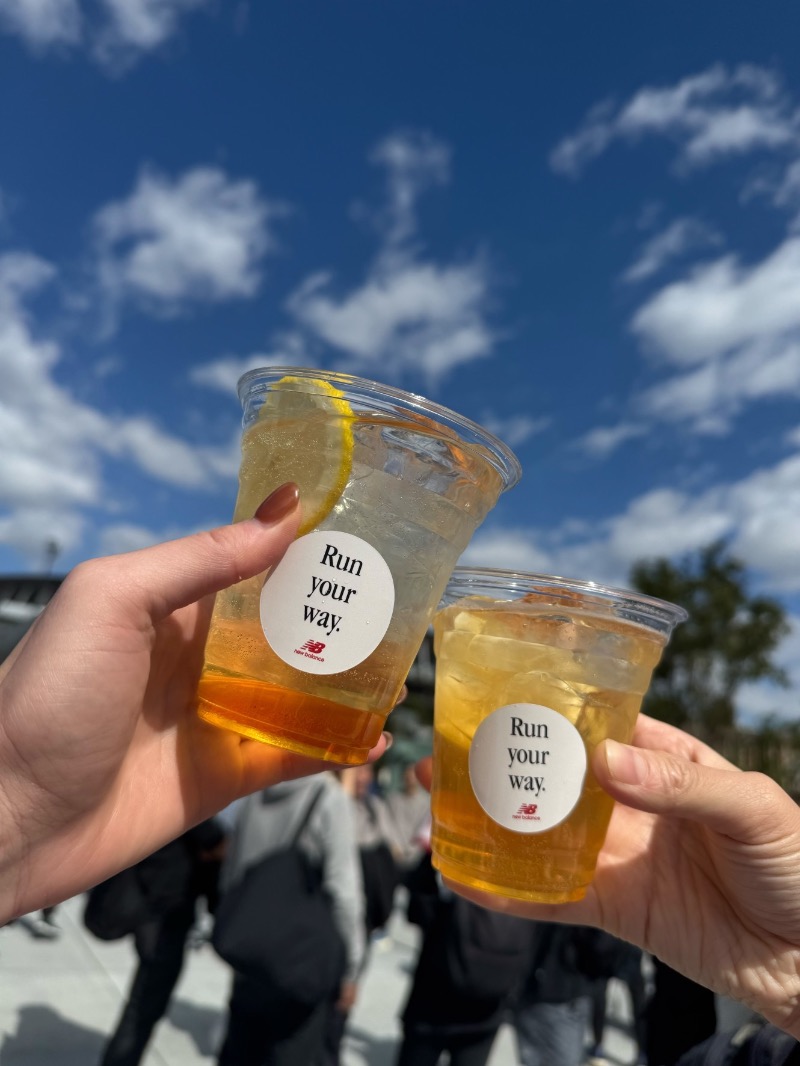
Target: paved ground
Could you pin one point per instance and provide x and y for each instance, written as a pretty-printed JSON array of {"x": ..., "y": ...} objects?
[{"x": 58, "y": 999}]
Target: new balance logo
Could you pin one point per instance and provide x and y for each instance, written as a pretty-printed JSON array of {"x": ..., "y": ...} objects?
[
  {"x": 527, "y": 811},
  {"x": 314, "y": 646}
]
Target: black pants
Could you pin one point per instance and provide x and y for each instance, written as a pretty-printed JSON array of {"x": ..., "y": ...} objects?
[
  {"x": 631, "y": 974},
  {"x": 680, "y": 1015},
  {"x": 160, "y": 946},
  {"x": 262, "y": 1032},
  {"x": 335, "y": 1026},
  {"x": 464, "y": 1050}
]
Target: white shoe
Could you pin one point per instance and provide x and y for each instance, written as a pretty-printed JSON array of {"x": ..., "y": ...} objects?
[{"x": 40, "y": 928}]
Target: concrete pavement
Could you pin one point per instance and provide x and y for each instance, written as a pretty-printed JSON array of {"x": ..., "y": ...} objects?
[{"x": 59, "y": 998}]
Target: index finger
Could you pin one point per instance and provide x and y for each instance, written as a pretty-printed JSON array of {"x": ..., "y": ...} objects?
[{"x": 660, "y": 736}]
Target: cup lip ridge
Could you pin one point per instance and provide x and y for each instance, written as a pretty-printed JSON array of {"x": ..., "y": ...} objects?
[
  {"x": 650, "y": 609},
  {"x": 502, "y": 457}
]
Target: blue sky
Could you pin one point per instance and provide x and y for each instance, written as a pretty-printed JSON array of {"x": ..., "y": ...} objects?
[{"x": 579, "y": 225}]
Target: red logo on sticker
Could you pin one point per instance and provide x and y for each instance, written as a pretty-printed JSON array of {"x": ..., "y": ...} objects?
[
  {"x": 314, "y": 646},
  {"x": 527, "y": 810}
]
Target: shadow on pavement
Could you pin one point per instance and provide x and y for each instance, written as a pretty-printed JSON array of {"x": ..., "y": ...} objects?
[
  {"x": 43, "y": 1037},
  {"x": 375, "y": 1051},
  {"x": 205, "y": 1025}
]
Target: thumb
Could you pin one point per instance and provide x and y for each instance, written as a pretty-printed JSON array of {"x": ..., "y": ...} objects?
[
  {"x": 749, "y": 807},
  {"x": 168, "y": 576}
]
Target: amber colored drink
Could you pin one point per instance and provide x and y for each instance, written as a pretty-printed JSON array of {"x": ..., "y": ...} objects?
[
  {"x": 312, "y": 657},
  {"x": 318, "y": 724},
  {"x": 532, "y": 673}
]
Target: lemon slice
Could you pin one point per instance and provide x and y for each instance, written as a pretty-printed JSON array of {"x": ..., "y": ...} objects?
[{"x": 304, "y": 433}]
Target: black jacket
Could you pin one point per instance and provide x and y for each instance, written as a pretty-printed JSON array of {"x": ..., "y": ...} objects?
[
  {"x": 438, "y": 1003},
  {"x": 556, "y": 975},
  {"x": 179, "y": 873}
]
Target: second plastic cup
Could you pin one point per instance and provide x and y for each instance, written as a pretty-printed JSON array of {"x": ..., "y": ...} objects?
[
  {"x": 532, "y": 672},
  {"x": 312, "y": 656}
]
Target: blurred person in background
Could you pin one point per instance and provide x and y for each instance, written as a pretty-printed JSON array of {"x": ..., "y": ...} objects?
[
  {"x": 680, "y": 1015},
  {"x": 470, "y": 963},
  {"x": 554, "y": 1006},
  {"x": 379, "y": 845},
  {"x": 172, "y": 880},
  {"x": 615, "y": 958},
  {"x": 410, "y": 810},
  {"x": 261, "y": 1029}
]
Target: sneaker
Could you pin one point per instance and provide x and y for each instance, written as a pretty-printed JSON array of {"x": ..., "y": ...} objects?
[
  {"x": 598, "y": 1057},
  {"x": 39, "y": 928}
]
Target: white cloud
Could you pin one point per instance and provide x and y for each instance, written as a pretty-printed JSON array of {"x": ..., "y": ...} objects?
[
  {"x": 49, "y": 471},
  {"x": 710, "y": 116},
  {"x": 660, "y": 524},
  {"x": 679, "y": 237},
  {"x": 414, "y": 162},
  {"x": 410, "y": 313},
  {"x": 132, "y": 28},
  {"x": 667, "y": 522},
  {"x": 787, "y": 193},
  {"x": 42, "y": 23},
  {"x": 603, "y": 441},
  {"x": 767, "y": 509},
  {"x": 407, "y": 315},
  {"x": 758, "y": 516},
  {"x": 127, "y": 537},
  {"x": 199, "y": 237},
  {"x": 54, "y": 446},
  {"x": 727, "y": 332},
  {"x": 756, "y": 701},
  {"x": 223, "y": 374},
  {"x": 732, "y": 332},
  {"x": 723, "y": 305},
  {"x": 116, "y": 33},
  {"x": 507, "y": 549},
  {"x": 29, "y": 529},
  {"x": 159, "y": 454},
  {"x": 708, "y": 397},
  {"x": 515, "y": 429}
]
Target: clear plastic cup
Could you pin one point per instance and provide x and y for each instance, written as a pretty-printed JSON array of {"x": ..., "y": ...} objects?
[
  {"x": 532, "y": 672},
  {"x": 312, "y": 656}
]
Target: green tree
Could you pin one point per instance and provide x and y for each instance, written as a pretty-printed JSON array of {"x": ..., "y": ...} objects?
[{"x": 728, "y": 640}]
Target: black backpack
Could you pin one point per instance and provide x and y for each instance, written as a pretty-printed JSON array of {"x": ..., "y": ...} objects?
[
  {"x": 276, "y": 927},
  {"x": 754, "y": 1044}
]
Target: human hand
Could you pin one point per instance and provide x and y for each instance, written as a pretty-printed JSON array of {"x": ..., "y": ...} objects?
[
  {"x": 701, "y": 867},
  {"x": 102, "y": 756},
  {"x": 347, "y": 996}
]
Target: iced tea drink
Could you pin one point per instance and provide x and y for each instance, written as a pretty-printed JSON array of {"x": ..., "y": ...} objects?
[
  {"x": 312, "y": 656},
  {"x": 532, "y": 672}
]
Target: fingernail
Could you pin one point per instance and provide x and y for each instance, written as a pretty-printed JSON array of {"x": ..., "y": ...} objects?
[
  {"x": 625, "y": 764},
  {"x": 278, "y": 504},
  {"x": 389, "y": 741}
]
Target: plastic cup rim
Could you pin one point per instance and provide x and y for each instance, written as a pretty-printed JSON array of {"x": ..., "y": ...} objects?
[
  {"x": 500, "y": 454},
  {"x": 649, "y": 610}
]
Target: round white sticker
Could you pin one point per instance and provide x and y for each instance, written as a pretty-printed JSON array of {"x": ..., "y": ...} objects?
[
  {"x": 527, "y": 764},
  {"x": 328, "y": 603}
]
